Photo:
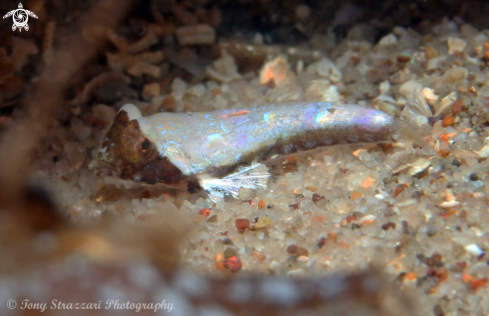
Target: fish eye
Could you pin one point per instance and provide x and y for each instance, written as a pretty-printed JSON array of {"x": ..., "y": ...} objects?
[{"x": 144, "y": 146}]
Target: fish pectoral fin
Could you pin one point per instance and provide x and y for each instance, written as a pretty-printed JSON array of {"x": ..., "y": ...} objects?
[{"x": 251, "y": 177}]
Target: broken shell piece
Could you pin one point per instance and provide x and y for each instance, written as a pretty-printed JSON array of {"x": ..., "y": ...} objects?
[
  {"x": 384, "y": 87},
  {"x": 200, "y": 34},
  {"x": 455, "y": 45},
  {"x": 446, "y": 103},
  {"x": 275, "y": 72},
  {"x": 326, "y": 69},
  {"x": 407, "y": 88},
  {"x": 388, "y": 40},
  {"x": 451, "y": 76},
  {"x": 386, "y": 104},
  {"x": 436, "y": 62},
  {"x": 413, "y": 166},
  {"x": 451, "y": 204},
  {"x": 431, "y": 52},
  {"x": 429, "y": 95},
  {"x": 450, "y": 196},
  {"x": 151, "y": 90},
  {"x": 223, "y": 69},
  {"x": 474, "y": 250},
  {"x": 484, "y": 152},
  {"x": 419, "y": 104},
  {"x": 191, "y": 62},
  {"x": 322, "y": 90},
  {"x": 417, "y": 110},
  {"x": 366, "y": 220},
  {"x": 263, "y": 222}
]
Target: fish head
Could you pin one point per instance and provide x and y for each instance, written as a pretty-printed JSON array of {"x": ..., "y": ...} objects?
[
  {"x": 131, "y": 155},
  {"x": 125, "y": 148}
]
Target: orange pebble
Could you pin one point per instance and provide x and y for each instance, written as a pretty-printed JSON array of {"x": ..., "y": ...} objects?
[
  {"x": 456, "y": 107},
  {"x": 410, "y": 276},
  {"x": 343, "y": 244},
  {"x": 477, "y": 283},
  {"x": 444, "y": 138},
  {"x": 319, "y": 218},
  {"x": 233, "y": 264},
  {"x": 333, "y": 237},
  {"x": 367, "y": 183},
  {"x": 356, "y": 194},
  {"x": 220, "y": 265},
  {"x": 350, "y": 218},
  {"x": 444, "y": 153},
  {"x": 219, "y": 257},
  {"x": 448, "y": 120},
  {"x": 258, "y": 256},
  {"x": 466, "y": 278},
  {"x": 205, "y": 212},
  {"x": 275, "y": 72},
  {"x": 261, "y": 205}
]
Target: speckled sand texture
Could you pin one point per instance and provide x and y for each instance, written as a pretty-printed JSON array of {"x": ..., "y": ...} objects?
[{"x": 421, "y": 216}]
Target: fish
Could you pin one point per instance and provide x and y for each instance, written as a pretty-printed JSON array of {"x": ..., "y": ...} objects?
[{"x": 223, "y": 151}]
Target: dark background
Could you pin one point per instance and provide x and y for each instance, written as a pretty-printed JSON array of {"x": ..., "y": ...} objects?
[{"x": 275, "y": 19}]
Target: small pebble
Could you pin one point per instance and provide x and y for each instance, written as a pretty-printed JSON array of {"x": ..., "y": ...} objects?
[
  {"x": 205, "y": 212},
  {"x": 316, "y": 197},
  {"x": 456, "y": 163},
  {"x": 233, "y": 264},
  {"x": 242, "y": 224},
  {"x": 431, "y": 230},
  {"x": 388, "y": 225},
  {"x": 292, "y": 249},
  {"x": 229, "y": 252}
]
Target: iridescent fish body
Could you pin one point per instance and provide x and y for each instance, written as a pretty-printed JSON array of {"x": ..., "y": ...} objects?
[{"x": 209, "y": 147}]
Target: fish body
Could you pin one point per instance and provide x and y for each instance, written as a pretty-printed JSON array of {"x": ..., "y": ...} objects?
[{"x": 209, "y": 146}]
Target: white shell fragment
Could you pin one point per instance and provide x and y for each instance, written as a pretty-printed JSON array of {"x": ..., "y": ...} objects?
[
  {"x": 388, "y": 40},
  {"x": 325, "y": 68},
  {"x": 413, "y": 166},
  {"x": 474, "y": 250},
  {"x": 446, "y": 103},
  {"x": 366, "y": 219},
  {"x": 451, "y": 204},
  {"x": 429, "y": 95},
  {"x": 455, "y": 45},
  {"x": 417, "y": 110},
  {"x": 223, "y": 69},
  {"x": 484, "y": 152}
]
